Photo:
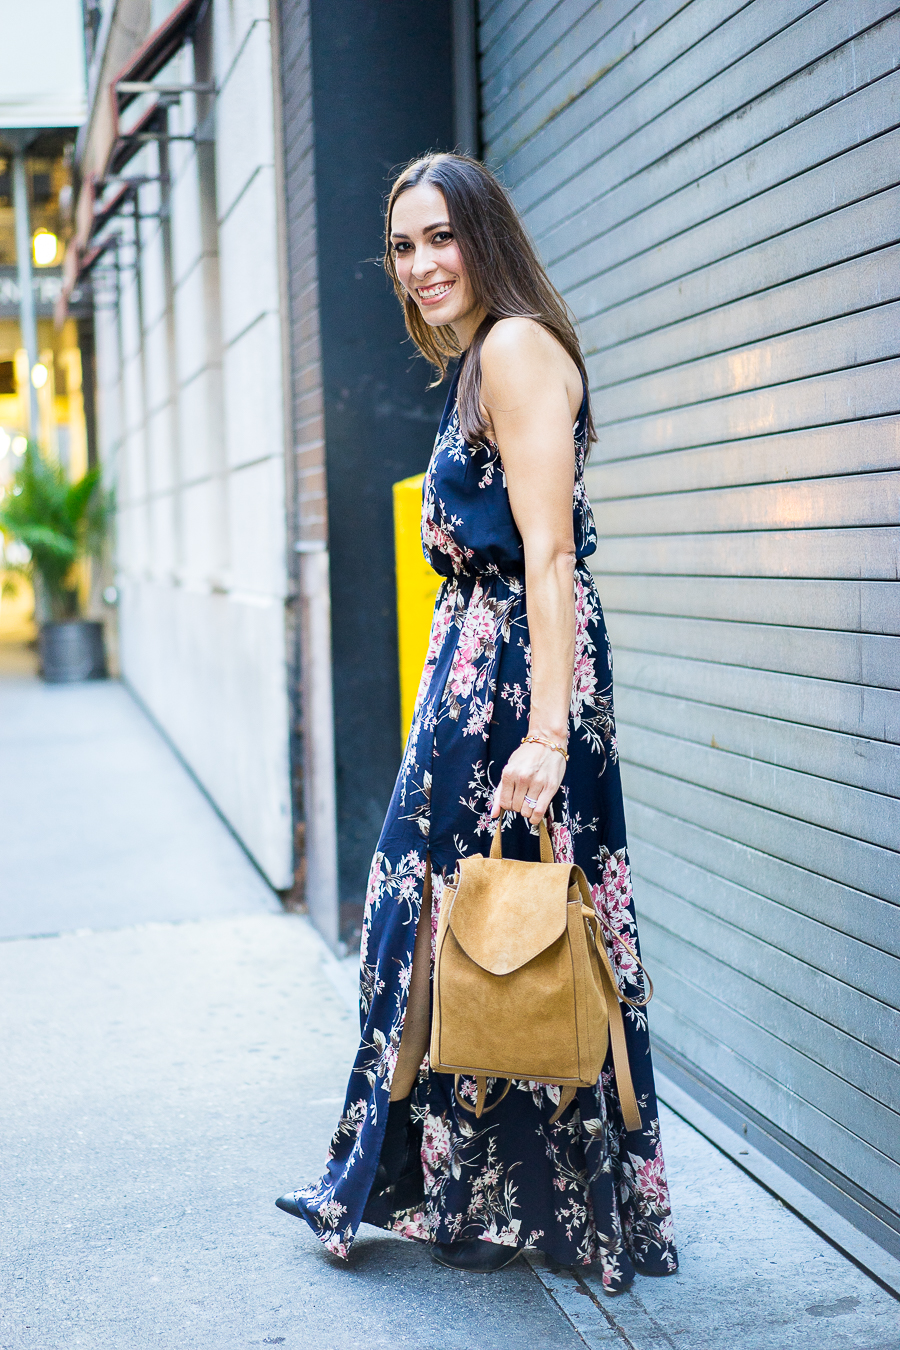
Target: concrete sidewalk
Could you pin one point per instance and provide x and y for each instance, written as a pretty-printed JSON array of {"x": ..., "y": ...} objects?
[{"x": 166, "y": 1072}]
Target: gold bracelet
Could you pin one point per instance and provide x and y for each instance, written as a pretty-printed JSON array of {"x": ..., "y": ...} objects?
[{"x": 539, "y": 740}]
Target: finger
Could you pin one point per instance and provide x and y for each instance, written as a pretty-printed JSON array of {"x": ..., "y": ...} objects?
[
  {"x": 498, "y": 806},
  {"x": 520, "y": 792},
  {"x": 543, "y": 806},
  {"x": 506, "y": 793},
  {"x": 518, "y": 801},
  {"x": 533, "y": 799}
]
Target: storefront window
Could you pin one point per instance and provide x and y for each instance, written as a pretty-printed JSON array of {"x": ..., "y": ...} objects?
[{"x": 61, "y": 423}]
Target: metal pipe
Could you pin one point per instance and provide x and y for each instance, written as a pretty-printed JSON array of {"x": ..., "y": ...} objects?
[{"x": 27, "y": 320}]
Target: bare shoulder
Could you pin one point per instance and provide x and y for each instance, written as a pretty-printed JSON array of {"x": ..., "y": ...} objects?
[
  {"x": 520, "y": 348},
  {"x": 518, "y": 358}
]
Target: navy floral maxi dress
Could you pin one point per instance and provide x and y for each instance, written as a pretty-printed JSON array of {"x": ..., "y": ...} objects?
[{"x": 584, "y": 1189}]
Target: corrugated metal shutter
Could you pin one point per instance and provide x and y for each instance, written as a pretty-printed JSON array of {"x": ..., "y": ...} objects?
[{"x": 714, "y": 186}]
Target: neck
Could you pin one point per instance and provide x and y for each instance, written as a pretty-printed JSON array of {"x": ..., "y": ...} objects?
[{"x": 466, "y": 327}]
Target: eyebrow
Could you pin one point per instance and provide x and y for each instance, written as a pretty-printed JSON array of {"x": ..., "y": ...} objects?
[{"x": 441, "y": 225}]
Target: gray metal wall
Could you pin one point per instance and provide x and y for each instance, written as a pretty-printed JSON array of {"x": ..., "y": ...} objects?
[{"x": 714, "y": 186}]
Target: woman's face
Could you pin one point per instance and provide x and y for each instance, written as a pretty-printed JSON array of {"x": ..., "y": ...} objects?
[{"x": 429, "y": 263}]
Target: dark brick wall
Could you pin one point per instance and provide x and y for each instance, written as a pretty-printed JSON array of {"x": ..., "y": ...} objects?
[{"x": 365, "y": 87}]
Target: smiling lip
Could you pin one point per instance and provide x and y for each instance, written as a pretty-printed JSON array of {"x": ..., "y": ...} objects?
[{"x": 433, "y": 295}]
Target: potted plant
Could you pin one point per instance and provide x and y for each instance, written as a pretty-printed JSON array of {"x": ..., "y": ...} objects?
[{"x": 60, "y": 523}]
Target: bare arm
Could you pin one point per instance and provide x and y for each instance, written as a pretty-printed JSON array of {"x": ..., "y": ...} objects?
[{"x": 529, "y": 388}]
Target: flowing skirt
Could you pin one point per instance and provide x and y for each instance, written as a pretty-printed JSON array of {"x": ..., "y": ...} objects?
[{"x": 584, "y": 1189}]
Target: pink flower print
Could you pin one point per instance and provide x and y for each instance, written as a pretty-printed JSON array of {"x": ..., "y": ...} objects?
[
  {"x": 373, "y": 887},
  {"x": 476, "y": 640},
  {"x": 479, "y": 719},
  {"x": 437, "y": 894},
  {"x": 413, "y": 1224},
  {"x": 584, "y": 678},
  {"x": 508, "y": 1236},
  {"x": 435, "y": 1141},
  {"x": 483, "y": 627},
  {"x": 331, "y": 1211},
  {"x": 561, "y": 839},
  {"x": 468, "y": 1089},
  {"x": 650, "y": 1180},
  {"x": 515, "y": 694},
  {"x": 440, "y": 627},
  {"x": 616, "y": 880},
  {"x": 436, "y": 538},
  {"x": 584, "y": 681},
  {"x": 462, "y": 676},
  {"x": 612, "y": 901}
]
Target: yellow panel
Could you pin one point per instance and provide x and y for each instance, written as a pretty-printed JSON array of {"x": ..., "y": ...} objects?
[{"x": 417, "y": 586}]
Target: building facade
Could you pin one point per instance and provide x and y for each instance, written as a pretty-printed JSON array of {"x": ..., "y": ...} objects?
[
  {"x": 190, "y": 364},
  {"x": 714, "y": 189}
]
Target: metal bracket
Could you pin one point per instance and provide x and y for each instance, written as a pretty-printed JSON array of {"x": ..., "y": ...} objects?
[
  {"x": 148, "y": 87},
  {"x": 137, "y": 182},
  {"x": 155, "y": 136}
]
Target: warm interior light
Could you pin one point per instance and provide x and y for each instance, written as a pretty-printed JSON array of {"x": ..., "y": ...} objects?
[
  {"x": 44, "y": 245},
  {"x": 38, "y": 375}
]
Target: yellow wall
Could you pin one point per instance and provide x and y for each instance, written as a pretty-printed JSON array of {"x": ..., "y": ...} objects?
[
  {"x": 16, "y": 609},
  {"x": 417, "y": 586}
]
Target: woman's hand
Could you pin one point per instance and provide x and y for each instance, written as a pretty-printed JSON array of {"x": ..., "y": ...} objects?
[{"x": 534, "y": 771}]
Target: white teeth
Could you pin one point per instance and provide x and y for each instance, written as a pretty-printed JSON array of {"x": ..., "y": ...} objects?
[{"x": 429, "y": 292}]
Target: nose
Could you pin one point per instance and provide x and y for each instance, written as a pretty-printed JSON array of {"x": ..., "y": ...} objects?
[{"x": 423, "y": 263}]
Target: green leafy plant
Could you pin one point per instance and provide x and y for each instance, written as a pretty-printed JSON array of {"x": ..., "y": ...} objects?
[{"x": 59, "y": 522}]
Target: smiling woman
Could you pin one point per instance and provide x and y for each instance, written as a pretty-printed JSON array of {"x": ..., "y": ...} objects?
[{"x": 513, "y": 724}]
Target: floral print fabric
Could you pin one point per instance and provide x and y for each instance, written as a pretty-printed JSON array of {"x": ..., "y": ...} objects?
[{"x": 584, "y": 1189}]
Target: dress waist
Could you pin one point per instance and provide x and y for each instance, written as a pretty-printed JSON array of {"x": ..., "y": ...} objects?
[
  {"x": 466, "y": 583},
  {"x": 513, "y": 580}
]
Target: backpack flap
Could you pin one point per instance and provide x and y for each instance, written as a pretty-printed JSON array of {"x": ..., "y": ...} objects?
[{"x": 505, "y": 912}]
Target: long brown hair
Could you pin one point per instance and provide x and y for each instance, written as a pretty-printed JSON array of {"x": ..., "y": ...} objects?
[{"x": 504, "y": 271}]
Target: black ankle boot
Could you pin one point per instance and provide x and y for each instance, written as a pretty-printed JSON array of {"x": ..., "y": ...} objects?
[
  {"x": 481, "y": 1257},
  {"x": 398, "y": 1183}
]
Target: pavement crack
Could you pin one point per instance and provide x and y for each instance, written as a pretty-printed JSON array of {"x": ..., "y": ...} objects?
[{"x": 584, "y": 1288}]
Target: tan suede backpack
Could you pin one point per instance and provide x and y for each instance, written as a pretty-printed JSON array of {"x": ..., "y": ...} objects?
[{"x": 523, "y": 985}]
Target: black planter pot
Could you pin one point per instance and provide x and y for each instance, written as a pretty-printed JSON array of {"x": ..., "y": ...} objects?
[{"x": 72, "y": 651}]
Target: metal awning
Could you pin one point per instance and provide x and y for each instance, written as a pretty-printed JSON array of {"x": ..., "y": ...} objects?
[
  {"x": 136, "y": 78},
  {"x": 94, "y": 254},
  {"x": 156, "y": 53},
  {"x": 103, "y": 214},
  {"x": 127, "y": 144},
  {"x": 105, "y": 148}
]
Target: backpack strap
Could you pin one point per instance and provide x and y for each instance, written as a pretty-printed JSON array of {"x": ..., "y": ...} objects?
[
  {"x": 481, "y": 1094},
  {"x": 627, "y": 1099}
]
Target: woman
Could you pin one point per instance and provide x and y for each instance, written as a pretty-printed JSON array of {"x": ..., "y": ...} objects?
[{"x": 514, "y": 719}]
